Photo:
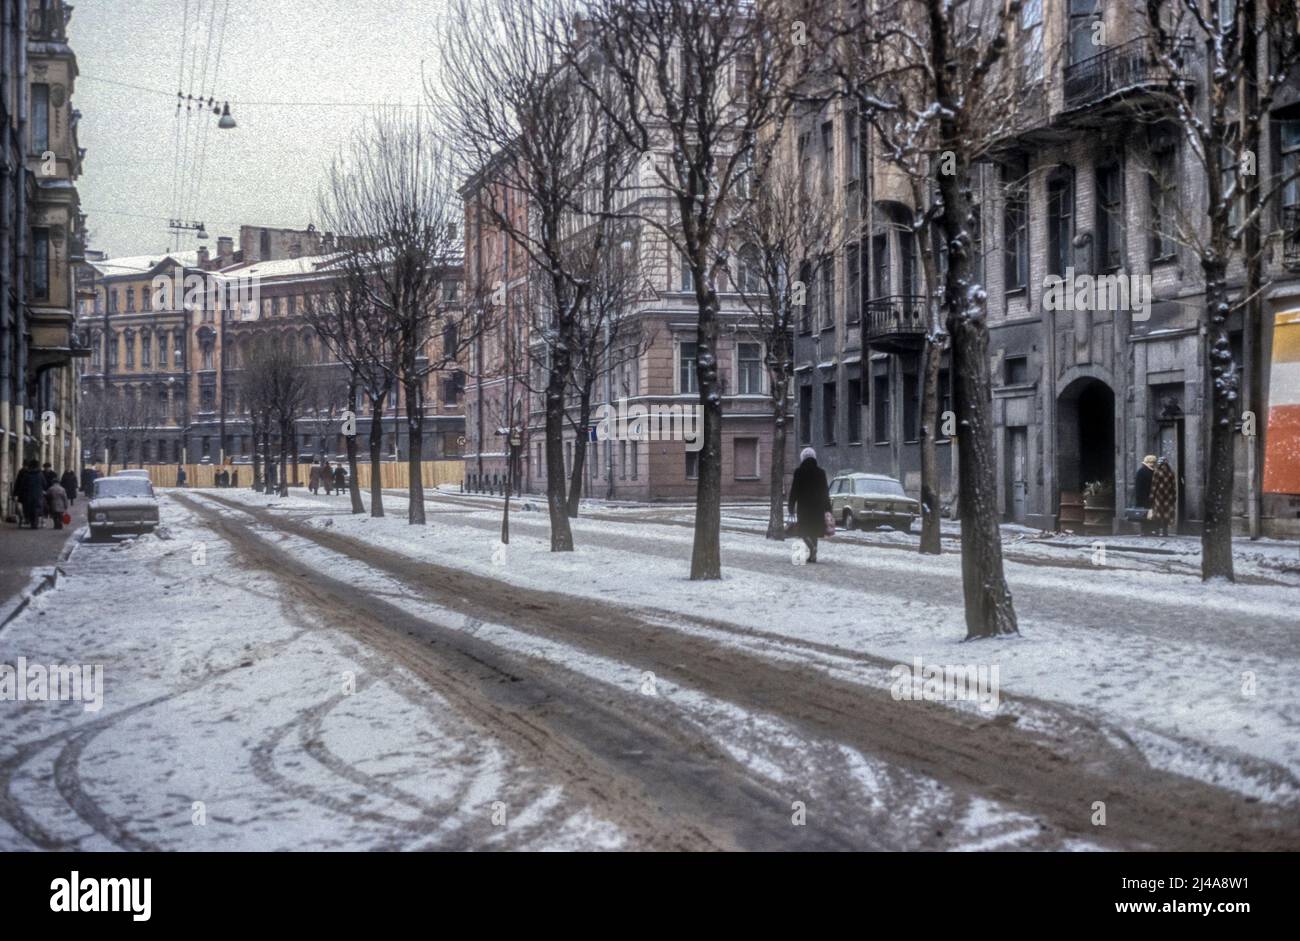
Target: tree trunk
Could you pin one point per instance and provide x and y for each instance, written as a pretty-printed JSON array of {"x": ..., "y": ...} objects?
[
  {"x": 580, "y": 454},
  {"x": 989, "y": 610},
  {"x": 414, "y": 451},
  {"x": 284, "y": 458},
  {"x": 1216, "y": 533},
  {"x": 556, "y": 504},
  {"x": 776, "y": 493},
  {"x": 706, "y": 553},
  {"x": 930, "y": 500},
  {"x": 257, "y": 458},
  {"x": 505, "y": 511},
  {"x": 376, "y": 455},
  {"x": 350, "y": 441}
]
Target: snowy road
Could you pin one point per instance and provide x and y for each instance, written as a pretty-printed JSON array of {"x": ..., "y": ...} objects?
[{"x": 279, "y": 674}]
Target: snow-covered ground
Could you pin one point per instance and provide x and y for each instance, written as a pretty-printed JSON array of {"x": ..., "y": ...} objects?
[
  {"x": 1174, "y": 663},
  {"x": 247, "y": 707}
]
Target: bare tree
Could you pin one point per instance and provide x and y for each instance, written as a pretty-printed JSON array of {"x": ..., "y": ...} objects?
[
  {"x": 545, "y": 165},
  {"x": 356, "y": 335},
  {"x": 604, "y": 337},
  {"x": 277, "y": 384},
  {"x": 690, "y": 85},
  {"x": 1226, "y": 61},
  {"x": 787, "y": 233},
  {"x": 393, "y": 201}
]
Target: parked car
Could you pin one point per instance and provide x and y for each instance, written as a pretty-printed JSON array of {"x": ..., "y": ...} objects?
[
  {"x": 122, "y": 504},
  {"x": 138, "y": 472},
  {"x": 871, "y": 500}
]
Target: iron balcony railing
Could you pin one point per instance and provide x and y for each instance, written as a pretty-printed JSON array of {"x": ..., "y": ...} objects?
[
  {"x": 1129, "y": 65},
  {"x": 895, "y": 315}
]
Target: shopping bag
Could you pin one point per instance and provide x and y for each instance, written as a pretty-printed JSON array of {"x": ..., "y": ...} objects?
[{"x": 830, "y": 525}]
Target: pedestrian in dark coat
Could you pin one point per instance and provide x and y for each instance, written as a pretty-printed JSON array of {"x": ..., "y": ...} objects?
[
  {"x": 69, "y": 484},
  {"x": 31, "y": 494},
  {"x": 48, "y": 475},
  {"x": 87, "y": 481},
  {"x": 313, "y": 478},
  {"x": 340, "y": 478},
  {"x": 1164, "y": 497},
  {"x": 1142, "y": 482},
  {"x": 327, "y": 477},
  {"x": 56, "y": 503},
  {"x": 810, "y": 501}
]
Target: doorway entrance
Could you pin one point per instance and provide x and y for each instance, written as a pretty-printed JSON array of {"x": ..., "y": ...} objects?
[
  {"x": 1085, "y": 449},
  {"x": 1018, "y": 478}
]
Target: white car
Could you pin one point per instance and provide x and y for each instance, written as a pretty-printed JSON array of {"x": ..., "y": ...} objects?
[
  {"x": 122, "y": 504},
  {"x": 870, "y": 500},
  {"x": 132, "y": 473}
]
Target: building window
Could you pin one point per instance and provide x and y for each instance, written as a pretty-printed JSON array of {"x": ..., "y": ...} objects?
[
  {"x": 911, "y": 404},
  {"x": 1060, "y": 224},
  {"x": 145, "y": 303},
  {"x": 40, "y": 263},
  {"x": 828, "y": 156},
  {"x": 112, "y": 301},
  {"x": 805, "y": 414},
  {"x": 130, "y": 300},
  {"x": 635, "y": 451},
  {"x": 854, "y": 144},
  {"x": 40, "y": 118},
  {"x": 749, "y": 368},
  {"x": 1110, "y": 217},
  {"x": 129, "y": 342},
  {"x": 827, "y": 298},
  {"x": 1083, "y": 14},
  {"x": 1016, "y": 370},
  {"x": 1164, "y": 195},
  {"x": 805, "y": 279},
  {"x": 855, "y": 411},
  {"x": 880, "y": 265},
  {"x": 162, "y": 349},
  {"x": 880, "y": 410},
  {"x": 146, "y": 349},
  {"x": 750, "y": 276},
  {"x": 687, "y": 281},
  {"x": 830, "y": 412},
  {"x": 275, "y": 307},
  {"x": 746, "y": 458},
  {"x": 1015, "y": 231},
  {"x": 96, "y": 351},
  {"x": 852, "y": 284},
  {"x": 622, "y": 460},
  {"x": 687, "y": 380},
  {"x": 1031, "y": 42},
  {"x": 290, "y": 305},
  {"x": 112, "y": 350},
  {"x": 945, "y": 402}
]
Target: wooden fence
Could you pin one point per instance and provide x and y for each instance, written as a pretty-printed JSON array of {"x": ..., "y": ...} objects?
[{"x": 392, "y": 476}]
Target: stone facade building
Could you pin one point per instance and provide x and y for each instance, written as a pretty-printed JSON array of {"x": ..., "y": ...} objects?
[
  {"x": 1092, "y": 180},
  {"x": 41, "y": 240},
  {"x": 165, "y": 365}
]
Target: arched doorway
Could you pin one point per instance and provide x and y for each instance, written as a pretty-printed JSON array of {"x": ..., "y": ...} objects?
[{"x": 1085, "y": 442}]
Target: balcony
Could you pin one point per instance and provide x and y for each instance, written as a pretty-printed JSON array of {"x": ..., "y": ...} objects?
[
  {"x": 1117, "y": 72},
  {"x": 895, "y": 324},
  {"x": 1291, "y": 237}
]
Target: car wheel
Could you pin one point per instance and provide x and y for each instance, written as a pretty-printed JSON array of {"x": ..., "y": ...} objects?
[{"x": 903, "y": 524}]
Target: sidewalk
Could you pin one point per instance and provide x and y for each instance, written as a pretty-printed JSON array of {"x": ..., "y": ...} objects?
[{"x": 28, "y": 556}]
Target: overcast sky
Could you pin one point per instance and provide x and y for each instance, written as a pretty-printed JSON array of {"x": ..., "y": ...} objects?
[{"x": 265, "y": 171}]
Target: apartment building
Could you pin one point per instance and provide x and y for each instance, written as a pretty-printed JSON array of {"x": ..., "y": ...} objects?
[
  {"x": 41, "y": 239},
  {"x": 1091, "y": 181},
  {"x": 169, "y": 335}
]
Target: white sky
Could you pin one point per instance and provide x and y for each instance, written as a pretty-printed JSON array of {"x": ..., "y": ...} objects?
[{"x": 265, "y": 171}]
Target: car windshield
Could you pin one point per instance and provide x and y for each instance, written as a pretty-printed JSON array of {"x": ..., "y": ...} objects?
[
  {"x": 123, "y": 487},
  {"x": 878, "y": 487}
]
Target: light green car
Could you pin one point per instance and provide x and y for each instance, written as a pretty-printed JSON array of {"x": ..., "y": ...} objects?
[{"x": 870, "y": 500}]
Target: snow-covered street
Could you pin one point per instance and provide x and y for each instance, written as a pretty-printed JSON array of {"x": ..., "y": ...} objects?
[{"x": 280, "y": 674}]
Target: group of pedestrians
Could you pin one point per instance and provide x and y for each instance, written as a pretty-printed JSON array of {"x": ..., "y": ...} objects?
[
  {"x": 331, "y": 478},
  {"x": 39, "y": 492}
]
